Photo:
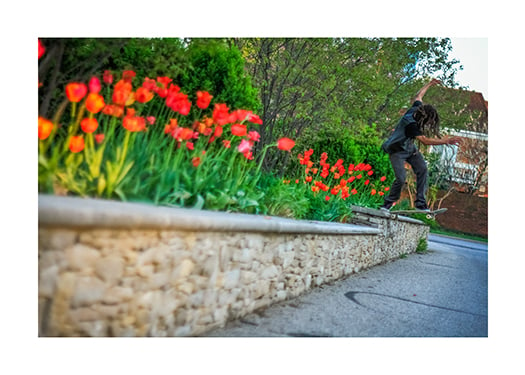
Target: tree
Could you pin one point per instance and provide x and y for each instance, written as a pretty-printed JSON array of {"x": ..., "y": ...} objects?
[
  {"x": 314, "y": 83},
  {"x": 70, "y": 59}
]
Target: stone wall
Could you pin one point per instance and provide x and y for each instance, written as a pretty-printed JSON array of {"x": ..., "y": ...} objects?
[{"x": 122, "y": 269}]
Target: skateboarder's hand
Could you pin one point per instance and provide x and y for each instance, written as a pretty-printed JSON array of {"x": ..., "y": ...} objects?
[
  {"x": 453, "y": 140},
  {"x": 435, "y": 82}
]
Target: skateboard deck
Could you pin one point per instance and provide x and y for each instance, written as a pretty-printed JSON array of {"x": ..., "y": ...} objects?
[{"x": 429, "y": 214}]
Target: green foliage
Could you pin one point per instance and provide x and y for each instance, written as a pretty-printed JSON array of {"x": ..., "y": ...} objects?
[
  {"x": 284, "y": 199},
  {"x": 218, "y": 68},
  {"x": 422, "y": 245},
  {"x": 151, "y": 57},
  {"x": 317, "y": 82},
  {"x": 369, "y": 141},
  {"x": 335, "y": 210},
  {"x": 361, "y": 144},
  {"x": 438, "y": 173},
  {"x": 337, "y": 142}
]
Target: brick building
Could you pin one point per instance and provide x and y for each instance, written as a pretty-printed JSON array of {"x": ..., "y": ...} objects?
[{"x": 467, "y": 164}]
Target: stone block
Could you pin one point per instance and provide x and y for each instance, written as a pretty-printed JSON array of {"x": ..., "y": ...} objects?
[
  {"x": 182, "y": 271},
  {"x": 110, "y": 268},
  {"x": 80, "y": 256},
  {"x": 47, "y": 279},
  {"x": 88, "y": 291},
  {"x": 231, "y": 279},
  {"x": 117, "y": 294},
  {"x": 56, "y": 239},
  {"x": 270, "y": 272}
]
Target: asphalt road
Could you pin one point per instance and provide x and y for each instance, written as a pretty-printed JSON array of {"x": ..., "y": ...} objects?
[{"x": 440, "y": 293}]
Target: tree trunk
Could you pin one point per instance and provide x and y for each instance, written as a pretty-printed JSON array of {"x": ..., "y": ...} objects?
[{"x": 57, "y": 55}]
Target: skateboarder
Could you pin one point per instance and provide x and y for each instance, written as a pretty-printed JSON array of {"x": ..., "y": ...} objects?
[{"x": 419, "y": 122}]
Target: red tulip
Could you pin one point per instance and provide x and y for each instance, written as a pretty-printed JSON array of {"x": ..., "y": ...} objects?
[
  {"x": 94, "y": 85},
  {"x": 41, "y": 49},
  {"x": 99, "y": 138},
  {"x": 107, "y": 77},
  {"x": 285, "y": 144},
  {"x": 75, "y": 91},
  {"x": 239, "y": 130},
  {"x": 203, "y": 99}
]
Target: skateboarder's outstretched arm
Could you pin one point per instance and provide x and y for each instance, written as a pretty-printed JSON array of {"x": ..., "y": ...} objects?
[
  {"x": 423, "y": 90},
  {"x": 439, "y": 141}
]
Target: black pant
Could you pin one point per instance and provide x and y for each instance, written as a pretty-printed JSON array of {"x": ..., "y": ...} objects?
[{"x": 419, "y": 166}]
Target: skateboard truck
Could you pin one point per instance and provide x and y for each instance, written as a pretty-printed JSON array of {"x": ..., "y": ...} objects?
[{"x": 429, "y": 214}]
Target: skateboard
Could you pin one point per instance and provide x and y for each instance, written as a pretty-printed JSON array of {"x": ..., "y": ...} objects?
[{"x": 429, "y": 214}]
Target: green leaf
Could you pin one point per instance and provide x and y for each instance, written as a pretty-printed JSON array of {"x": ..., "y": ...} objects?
[
  {"x": 124, "y": 172},
  {"x": 199, "y": 204},
  {"x": 101, "y": 185},
  {"x": 120, "y": 194}
]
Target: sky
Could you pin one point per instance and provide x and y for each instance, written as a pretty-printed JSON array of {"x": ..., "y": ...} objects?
[{"x": 473, "y": 55}]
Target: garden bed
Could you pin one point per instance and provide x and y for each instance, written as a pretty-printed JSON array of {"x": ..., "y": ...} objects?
[{"x": 110, "y": 268}]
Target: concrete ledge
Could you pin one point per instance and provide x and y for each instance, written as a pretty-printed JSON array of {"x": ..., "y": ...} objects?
[{"x": 56, "y": 211}]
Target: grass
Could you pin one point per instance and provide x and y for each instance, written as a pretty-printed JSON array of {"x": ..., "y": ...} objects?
[{"x": 456, "y": 234}]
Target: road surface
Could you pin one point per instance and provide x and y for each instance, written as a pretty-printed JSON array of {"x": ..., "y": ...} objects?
[{"x": 440, "y": 293}]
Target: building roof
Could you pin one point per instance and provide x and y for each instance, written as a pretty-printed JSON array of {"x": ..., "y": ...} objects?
[{"x": 477, "y": 102}]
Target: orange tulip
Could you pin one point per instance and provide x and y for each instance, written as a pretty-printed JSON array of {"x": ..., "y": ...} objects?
[
  {"x": 121, "y": 92},
  {"x": 134, "y": 123},
  {"x": 44, "y": 128},
  {"x": 89, "y": 125},
  {"x": 76, "y": 144},
  {"x": 113, "y": 110},
  {"x": 94, "y": 103},
  {"x": 143, "y": 95}
]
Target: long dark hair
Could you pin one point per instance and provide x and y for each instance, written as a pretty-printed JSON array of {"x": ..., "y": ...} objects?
[{"x": 427, "y": 120}]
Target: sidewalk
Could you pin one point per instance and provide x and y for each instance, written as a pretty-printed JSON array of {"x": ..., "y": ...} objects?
[{"x": 441, "y": 293}]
